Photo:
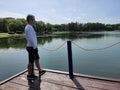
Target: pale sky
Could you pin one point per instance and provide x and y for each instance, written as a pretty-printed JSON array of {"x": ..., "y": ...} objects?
[{"x": 63, "y": 11}]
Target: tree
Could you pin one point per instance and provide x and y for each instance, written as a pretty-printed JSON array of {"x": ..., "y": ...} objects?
[
  {"x": 17, "y": 26},
  {"x": 56, "y": 27},
  {"x": 39, "y": 27},
  {"x": 20, "y": 25},
  {"x": 48, "y": 28},
  {"x": 3, "y": 25},
  {"x": 72, "y": 26},
  {"x": 108, "y": 27}
]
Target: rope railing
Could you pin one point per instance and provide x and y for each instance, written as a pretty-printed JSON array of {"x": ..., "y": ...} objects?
[
  {"x": 55, "y": 48},
  {"x": 85, "y": 49},
  {"x": 70, "y": 61},
  {"x": 69, "y": 49}
]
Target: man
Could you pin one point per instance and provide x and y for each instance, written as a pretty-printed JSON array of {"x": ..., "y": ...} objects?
[{"x": 32, "y": 47}]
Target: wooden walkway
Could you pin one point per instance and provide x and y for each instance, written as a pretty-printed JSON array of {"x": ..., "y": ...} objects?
[{"x": 57, "y": 80}]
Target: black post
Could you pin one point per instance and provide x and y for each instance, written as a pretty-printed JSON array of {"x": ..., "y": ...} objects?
[{"x": 70, "y": 63}]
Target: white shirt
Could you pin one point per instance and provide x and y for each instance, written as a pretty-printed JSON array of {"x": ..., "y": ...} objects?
[{"x": 30, "y": 36}]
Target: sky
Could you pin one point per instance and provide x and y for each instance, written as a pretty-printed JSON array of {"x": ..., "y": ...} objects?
[{"x": 63, "y": 11}]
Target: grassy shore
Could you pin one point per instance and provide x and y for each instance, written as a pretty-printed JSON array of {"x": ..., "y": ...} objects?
[
  {"x": 5, "y": 35},
  {"x": 2, "y": 35},
  {"x": 61, "y": 32}
]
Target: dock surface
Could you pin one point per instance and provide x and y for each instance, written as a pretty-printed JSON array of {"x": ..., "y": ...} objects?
[{"x": 57, "y": 80}]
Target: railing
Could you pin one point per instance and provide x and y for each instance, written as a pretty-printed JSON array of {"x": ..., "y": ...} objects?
[{"x": 69, "y": 49}]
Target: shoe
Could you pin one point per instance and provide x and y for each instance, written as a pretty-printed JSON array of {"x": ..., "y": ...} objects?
[
  {"x": 31, "y": 77},
  {"x": 41, "y": 72}
]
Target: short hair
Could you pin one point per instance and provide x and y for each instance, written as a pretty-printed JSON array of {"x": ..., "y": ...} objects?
[{"x": 29, "y": 16}]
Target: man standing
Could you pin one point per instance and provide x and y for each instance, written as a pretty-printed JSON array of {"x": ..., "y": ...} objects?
[{"x": 32, "y": 47}]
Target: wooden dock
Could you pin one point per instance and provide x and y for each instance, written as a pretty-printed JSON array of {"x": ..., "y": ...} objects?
[{"x": 57, "y": 80}]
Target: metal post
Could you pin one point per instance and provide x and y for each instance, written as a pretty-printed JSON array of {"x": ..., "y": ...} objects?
[{"x": 70, "y": 63}]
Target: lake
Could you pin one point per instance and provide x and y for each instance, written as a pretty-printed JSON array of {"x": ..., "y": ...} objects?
[{"x": 94, "y": 53}]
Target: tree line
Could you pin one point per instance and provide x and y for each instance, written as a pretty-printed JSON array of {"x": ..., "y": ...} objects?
[{"x": 12, "y": 25}]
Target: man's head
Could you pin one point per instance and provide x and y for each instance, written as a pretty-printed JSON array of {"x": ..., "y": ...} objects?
[{"x": 30, "y": 19}]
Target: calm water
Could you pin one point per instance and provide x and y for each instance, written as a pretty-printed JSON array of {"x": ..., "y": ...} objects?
[{"x": 53, "y": 54}]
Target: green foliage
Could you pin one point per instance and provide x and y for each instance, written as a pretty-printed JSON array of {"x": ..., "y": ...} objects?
[
  {"x": 3, "y": 25},
  {"x": 12, "y": 25},
  {"x": 39, "y": 26},
  {"x": 48, "y": 28},
  {"x": 118, "y": 27},
  {"x": 73, "y": 26},
  {"x": 108, "y": 27}
]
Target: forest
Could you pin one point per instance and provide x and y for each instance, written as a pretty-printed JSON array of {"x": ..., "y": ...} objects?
[{"x": 11, "y": 25}]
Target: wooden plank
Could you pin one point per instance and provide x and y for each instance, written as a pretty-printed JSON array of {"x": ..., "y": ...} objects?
[
  {"x": 8, "y": 79},
  {"x": 57, "y": 80},
  {"x": 99, "y": 84}
]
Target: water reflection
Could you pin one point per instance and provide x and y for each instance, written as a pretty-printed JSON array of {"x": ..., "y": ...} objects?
[
  {"x": 20, "y": 42},
  {"x": 12, "y": 42}
]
